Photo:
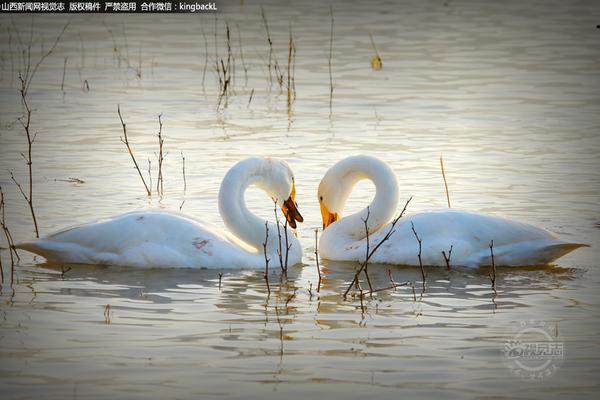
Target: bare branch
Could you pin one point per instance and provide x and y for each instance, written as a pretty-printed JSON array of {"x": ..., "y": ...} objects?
[
  {"x": 125, "y": 140},
  {"x": 445, "y": 182},
  {"x": 266, "y": 259},
  {"x": 419, "y": 255},
  {"x": 389, "y": 233},
  {"x": 493, "y": 270},
  {"x": 317, "y": 258},
  {"x": 447, "y": 258},
  {"x": 161, "y": 158}
]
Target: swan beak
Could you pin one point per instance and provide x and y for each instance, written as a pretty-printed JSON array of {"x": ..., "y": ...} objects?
[
  {"x": 290, "y": 209},
  {"x": 328, "y": 217}
]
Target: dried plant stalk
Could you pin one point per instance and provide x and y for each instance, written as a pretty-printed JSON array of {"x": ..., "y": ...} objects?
[
  {"x": 26, "y": 124},
  {"x": 447, "y": 258},
  {"x": 330, "y": 56},
  {"x": 317, "y": 258},
  {"x": 493, "y": 271},
  {"x": 125, "y": 141},
  {"x": 419, "y": 254},
  {"x": 161, "y": 158},
  {"x": 445, "y": 181},
  {"x": 266, "y": 275},
  {"x": 390, "y": 232}
]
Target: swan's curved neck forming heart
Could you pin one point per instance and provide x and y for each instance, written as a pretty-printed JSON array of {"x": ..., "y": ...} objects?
[
  {"x": 347, "y": 173},
  {"x": 242, "y": 223}
]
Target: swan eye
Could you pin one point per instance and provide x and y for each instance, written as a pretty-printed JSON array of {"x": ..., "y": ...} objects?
[{"x": 321, "y": 198}]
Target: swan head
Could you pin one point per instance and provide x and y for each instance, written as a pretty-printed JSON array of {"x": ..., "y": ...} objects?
[
  {"x": 333, "y": 193},
  {"x": 278, "y": 181}
]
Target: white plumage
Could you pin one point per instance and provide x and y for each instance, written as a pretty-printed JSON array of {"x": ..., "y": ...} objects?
[
  {"x": 155, "y": 238},
  {"x": 469, "y": 234}
]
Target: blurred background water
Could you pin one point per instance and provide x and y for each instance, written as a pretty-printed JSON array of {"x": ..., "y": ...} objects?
[{"x": 508, "y": 92}]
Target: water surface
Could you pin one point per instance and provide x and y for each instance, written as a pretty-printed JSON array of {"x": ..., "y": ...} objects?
[{"x": 508, "y": 93}]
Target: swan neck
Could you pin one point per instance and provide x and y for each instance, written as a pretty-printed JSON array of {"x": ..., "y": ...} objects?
[{"x": 383, "y": 207}]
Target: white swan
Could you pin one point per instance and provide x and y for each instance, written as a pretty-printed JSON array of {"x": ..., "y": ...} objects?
[
  {"x": 469, "y": 234},
  {"x": 156, "y": 238}
]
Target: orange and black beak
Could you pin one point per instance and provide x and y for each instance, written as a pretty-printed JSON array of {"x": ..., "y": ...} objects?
[
  {"x": 290, "y": 209},
  {"x": 328, "y": 217}
]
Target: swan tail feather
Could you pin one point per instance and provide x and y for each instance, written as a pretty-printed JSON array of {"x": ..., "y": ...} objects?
[
  {"x": 55, "y": 251},
  {"x": 541, "y": 252}
]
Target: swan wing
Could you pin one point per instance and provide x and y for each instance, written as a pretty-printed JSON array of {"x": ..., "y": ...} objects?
[{"x": 143, "y": 239}]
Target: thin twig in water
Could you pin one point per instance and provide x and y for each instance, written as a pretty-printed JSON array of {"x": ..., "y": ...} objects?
[
  {"x": 269, "y": 63},
  {"x": 445, "y": 182},
  {"x": 26, "y": 123},
  {"x": 30, "y": 73},
  {"x": 366, "y": 262},
  {"x": 266, "y": 259},
  {"x": 288, "y": 245},
  {"x": 419, "y": 255},
  {"x": 251, "y": 95},
  {"x": 392, "y": 279},
  {"x": 447, "y": 258},
  {"x": 290, "y": 94},
  {"x": 150, "y": 172},
  {"x": 330, "y": 56},
  {"x": 12, "y": 251},
  {"x": 390, "y": 232},
  {"x": 62, "y": 83},
  {"x": 280, "y": 248},
  {"x": 317, "y": 258},
  {"x": 493, "y": 271},
  {"x": 125, "y": 141},
  {"x": 220, "y": 278},
  {"x": 183, "y": 172},
  {"x": 161, "y": 158}
]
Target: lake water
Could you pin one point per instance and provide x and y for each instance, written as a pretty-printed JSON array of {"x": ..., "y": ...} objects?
[{"x": 508, "y": 92}]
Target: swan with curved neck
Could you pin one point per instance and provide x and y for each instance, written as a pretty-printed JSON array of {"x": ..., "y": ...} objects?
[
  {"x": 469, "y": 234},
  {"x": 155, "y": 238}
]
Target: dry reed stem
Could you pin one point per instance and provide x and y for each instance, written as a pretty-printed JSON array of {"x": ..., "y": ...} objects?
[
  {"x": 220, "y": 278},
  {"x": 272, "y": 64},
  {"x": 288, "y": 246},
  {"x": 419, "y": 254},
  {"x": 366, "y": 263},
  {"x": 225, "y": 81},
  {"x": 290, "y": 94},
  {"x": 107, "y": 314},
  {"x": 492, "y": 273},
  {"x": 250, "y": 99},
  {"x": 266, "y": 275},
  {"x": 26, "y": 123},
  {"x": 1, "y": 272},
  {"x": 447, "y": 258},
  {"x": 317, "y": 258},
  {"x": 161, "y": 158},
  {"x": 62, "y": 83},
  {"x": 183, "y": 172},
  {"x": 149, "y": 173},
  {"x": 125, "y": 141},
  {"x": 330, "y": 56},
  {"x": 445, "y": 181},
  {"x": 9, "y": 239},
  {"x": 390, "y": 232},
  {"x": 280, "y": 249},
  {"x": 30, "y": 72}
]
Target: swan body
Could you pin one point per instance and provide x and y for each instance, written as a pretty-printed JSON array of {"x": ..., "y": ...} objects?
[
  {"x": 155, "y": 238},
  {"x": 469, "y": 234}
]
